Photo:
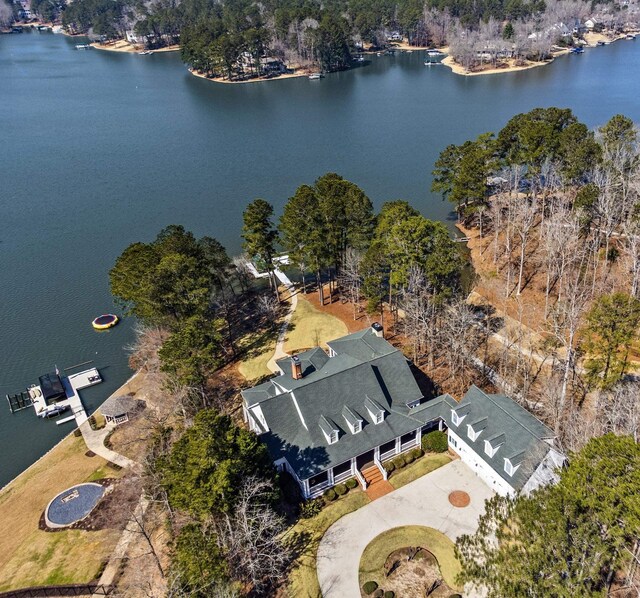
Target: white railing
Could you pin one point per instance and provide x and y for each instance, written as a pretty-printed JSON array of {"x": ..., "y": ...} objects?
[
  {"x": 361, "y": 479},
  {"x": 318, "y": 488},
  {"x": 342, "y": 476},
  {"x": 383, "y": 471},
  {"x": 408, "y": 445},
  {"x": 388, "y": 454}
]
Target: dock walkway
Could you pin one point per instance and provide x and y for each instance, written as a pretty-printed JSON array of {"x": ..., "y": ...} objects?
[{"x": 75, "y": 382}]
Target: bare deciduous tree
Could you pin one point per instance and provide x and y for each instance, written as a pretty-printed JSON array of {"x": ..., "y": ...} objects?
[{"x": 251, "y": 537}]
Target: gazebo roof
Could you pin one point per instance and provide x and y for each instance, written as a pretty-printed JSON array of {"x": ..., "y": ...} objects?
[{"x": 120, "y": 405}]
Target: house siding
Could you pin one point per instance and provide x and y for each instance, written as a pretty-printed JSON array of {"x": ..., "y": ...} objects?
[{"x": 478, "y": 465}]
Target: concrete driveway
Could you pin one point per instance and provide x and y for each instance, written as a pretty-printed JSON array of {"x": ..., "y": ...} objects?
[{"x": 423, "y": 502}]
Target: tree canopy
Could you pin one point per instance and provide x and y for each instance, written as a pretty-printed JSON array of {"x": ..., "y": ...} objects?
[
  {"x": 613, "y": 326},
  {"x": 204, "y": 470},
  {"x": 170, "y": 279},
  {"x": 563, "y": 540}
]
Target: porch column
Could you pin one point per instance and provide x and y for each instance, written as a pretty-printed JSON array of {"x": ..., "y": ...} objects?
[
  {"x": 330, "y": 476},
  {"x": 376, "y": 453},
  {"x": 418, "y": 436},
  {"x": 305, "y": 488},
  {"x": 440, "y": 426},
  {"x": 398, "y": 445}
]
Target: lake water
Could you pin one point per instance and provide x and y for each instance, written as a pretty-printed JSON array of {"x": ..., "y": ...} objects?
[{"x": 100, "y": 149}]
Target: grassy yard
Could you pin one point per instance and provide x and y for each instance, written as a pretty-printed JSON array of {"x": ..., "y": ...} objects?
[
  {"x": 311, "y": 327},
  {"x": 254, "y": 364},
  {"x": 307, "y": 533},
  {"x": 375, "y": 554},
  {"x": 29, "y": 556},
  {"x": 417, "y": 469}
]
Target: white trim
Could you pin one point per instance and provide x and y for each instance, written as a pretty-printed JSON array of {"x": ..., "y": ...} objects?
[{"x": 293, "y": 398}]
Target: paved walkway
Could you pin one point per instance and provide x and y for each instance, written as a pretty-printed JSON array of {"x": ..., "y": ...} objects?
[
  {"x": 282, "y": 334},
  {"x": 423, "y": 502},
  {"x": 94, "y": 439}
]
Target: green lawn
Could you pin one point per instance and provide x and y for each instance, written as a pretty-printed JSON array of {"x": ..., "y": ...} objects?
[
  {"x": 417, "y": 469},
  {"x": 307, "y": 533},
  {"x": 376, "y": 553},
  {"x": 30, "y": 556},
  {"x": 311, "y": 327}
]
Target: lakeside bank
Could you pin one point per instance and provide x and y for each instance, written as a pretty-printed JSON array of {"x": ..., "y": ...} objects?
[
  {"x": 122, "y": 45},
  {"x": 592, "y": 40}
]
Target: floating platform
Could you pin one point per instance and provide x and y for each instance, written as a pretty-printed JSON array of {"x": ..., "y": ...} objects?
[
  {"x": 105, "y": 321},
  {"x": 19, "y": 401}
]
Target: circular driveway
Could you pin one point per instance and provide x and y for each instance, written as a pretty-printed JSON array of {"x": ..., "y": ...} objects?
[{"x": 423, "y": 502}]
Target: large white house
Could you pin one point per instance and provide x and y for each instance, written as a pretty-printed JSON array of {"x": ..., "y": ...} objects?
[{"x": 332, "y": 416}]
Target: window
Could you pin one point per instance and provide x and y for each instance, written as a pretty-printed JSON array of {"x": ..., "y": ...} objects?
[
  {"x": 509, "y": 467},
  {"x": 407, "y": 438},
  {"x": 456, "y": 419},
  {"x": 333, "y": 438},
  {"x": 472, "y": 434},
  {"x": 489, "y": 449},
  {"x": 356, "y": 427},
  {"x": 388, "y": 447},
  {"x": 379, "y": 417},
  {"x": 342, "y": 468},
  {"x": 321, "y": 478}
]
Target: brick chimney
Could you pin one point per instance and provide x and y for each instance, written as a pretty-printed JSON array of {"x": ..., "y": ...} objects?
[
  {"x": 296, "y": 368},
  {"x": 377, "y": 329}
]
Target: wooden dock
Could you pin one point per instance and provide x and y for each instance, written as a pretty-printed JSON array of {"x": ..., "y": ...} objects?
[
  {"x": 72, "y": 384},
  {"x": 75, "y": 382}
]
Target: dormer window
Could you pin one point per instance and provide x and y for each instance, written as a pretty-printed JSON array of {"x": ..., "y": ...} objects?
[
  {"x": 509, "y": 467},
  {"x": 512, "y": 463},
  {"x": 491, "y": 445},
  {"x": 329, "y": 429},
  {"x": 489, "y": 449},
  {"x": 353, "y": 421},
  {"x": 474, "y": 429},
  {"x": 457, "y": 419},
  {"x": 376, "y": 411}
]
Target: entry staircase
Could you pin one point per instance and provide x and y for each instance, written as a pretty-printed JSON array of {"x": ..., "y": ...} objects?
[{"x": 372, "y": 475}]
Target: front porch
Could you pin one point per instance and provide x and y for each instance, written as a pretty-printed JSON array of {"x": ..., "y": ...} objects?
[{"x": 367, "y": 468}]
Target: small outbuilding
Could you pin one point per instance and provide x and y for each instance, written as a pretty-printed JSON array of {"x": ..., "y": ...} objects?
[{"x": 117, "y": 410}]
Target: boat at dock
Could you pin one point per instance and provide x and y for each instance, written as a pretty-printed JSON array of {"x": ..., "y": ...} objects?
[
  {"x": 145, "y": 53},
  {"x": 577, "y": 50},
  {"x": 83, "y": 46},
  {"x": 54, "y": 394},
  {"x": 434, "y": 53},
  {"x": 316, "y": 76}
]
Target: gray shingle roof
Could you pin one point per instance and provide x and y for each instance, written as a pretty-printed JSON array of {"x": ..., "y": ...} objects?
[
  {"x": 522, "y": 437},
  {"x": 120, "y": 405},
  {"x": 365, "y": 366}
]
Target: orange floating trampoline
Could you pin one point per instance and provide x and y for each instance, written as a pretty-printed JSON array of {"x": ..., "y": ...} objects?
[{"x": 105, "y": 321}]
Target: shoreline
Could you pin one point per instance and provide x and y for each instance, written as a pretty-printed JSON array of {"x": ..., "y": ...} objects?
[
  {"x": 458, "y": 69},
  {"x": 128, "y": 48},
  {"x": 257, "y": 80},
  {"x": 592, "y": 39},
  {"x": 24, "y": 472}
]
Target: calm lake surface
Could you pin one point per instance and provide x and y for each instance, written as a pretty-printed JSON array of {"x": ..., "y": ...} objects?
[{"x": 101, "y": 149}]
